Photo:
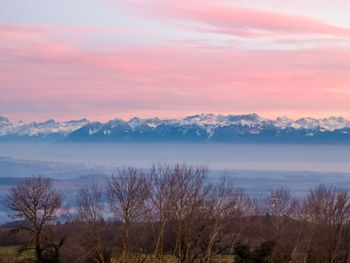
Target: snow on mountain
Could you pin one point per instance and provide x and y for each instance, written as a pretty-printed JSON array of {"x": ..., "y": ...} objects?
[
  {"x": 333, "y": 123},
  {"x": 5, "y": 126},
  {"x": 203, "y": 120},
  {"x": 283, "y": 122},
  {"x": 39, "y": 128},
  {"x": 326, "y": 124},
  {"x": 93, "y": 127},
  {"x": 306, "y": 123},
  {"x": 201, "y": 127},
  {"x": 211, "y": 120},
  {"x": 117, "y": 123},
  {"x": 137, "y": 122},
  {"x": 3, "y": 119},
  {"x": 250, "y": 120}
]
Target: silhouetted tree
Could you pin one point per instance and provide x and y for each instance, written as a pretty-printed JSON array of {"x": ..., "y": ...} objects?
[
  {"x": 159, "y": 208},
  {"x": 127, "y": 193},
  {"x": 90, "y": 204},
  {"x": 326, "y": 213},
  {"x": 35, "y": 203}
]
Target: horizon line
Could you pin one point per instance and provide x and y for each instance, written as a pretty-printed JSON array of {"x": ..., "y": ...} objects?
[{"x": 127, "y": 119}]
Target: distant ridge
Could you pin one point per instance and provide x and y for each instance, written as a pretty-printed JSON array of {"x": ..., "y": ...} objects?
[{"x": 249, "y": 128}]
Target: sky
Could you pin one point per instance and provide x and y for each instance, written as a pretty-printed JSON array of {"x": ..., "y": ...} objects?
[{"x": 106, "y": 59}]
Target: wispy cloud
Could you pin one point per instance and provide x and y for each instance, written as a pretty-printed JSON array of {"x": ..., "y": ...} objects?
[
  {"x": 223, "y": 56},
  {"x": 224, "y": 18},
  {"x": 41, "y": 70}
]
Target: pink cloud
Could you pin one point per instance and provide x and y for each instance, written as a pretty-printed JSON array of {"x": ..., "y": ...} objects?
[
  {"x": 221, "y": 17},
  {"x": 55, "y": 77}
]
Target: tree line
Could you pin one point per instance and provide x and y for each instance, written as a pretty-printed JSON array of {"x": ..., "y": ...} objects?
[{"x": 173, "y": 213}]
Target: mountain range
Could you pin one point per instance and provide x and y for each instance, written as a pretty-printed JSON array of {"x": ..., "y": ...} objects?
[{"x": 250, "y": 128}]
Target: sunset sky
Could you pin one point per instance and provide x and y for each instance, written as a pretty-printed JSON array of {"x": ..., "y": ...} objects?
[{"x": 103, "y": 59}]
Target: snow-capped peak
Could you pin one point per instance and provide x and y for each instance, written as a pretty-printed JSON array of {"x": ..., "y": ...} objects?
[
  {"x": 137, "y": 122},
  {"x": 34, "y": 128},
  {"x": 283, "y": 122},
  {"x": 4, "y": 119},
  {"x": 211, "y": 123},
  {"x": 116, "y": 123},
  {"x": 203, "y": 119}
]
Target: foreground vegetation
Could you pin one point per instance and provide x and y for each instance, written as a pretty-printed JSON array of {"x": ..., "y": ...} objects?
[
  {"x": 12, "y": 254},
  {"x": 173, "y": 214}
]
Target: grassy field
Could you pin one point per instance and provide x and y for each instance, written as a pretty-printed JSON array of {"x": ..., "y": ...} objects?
[
  {"x": 172, "y": 259},
  {"x": 10, "y": 255}
]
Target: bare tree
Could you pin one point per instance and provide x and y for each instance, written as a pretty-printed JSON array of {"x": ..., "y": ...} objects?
[
  {"x": 222, "y": 205},
  {"x": 90, "y": 203},
  {"x": 127, "y": 194},
  {"x": 35, "y": 204},
  {"x": 326, "y": 211},
  {"x": 282, "y": 207},
  {"x": 161, "y": 194},
  {"x": 231, "y": 210},
  {"x": 187, "y": 203}
]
